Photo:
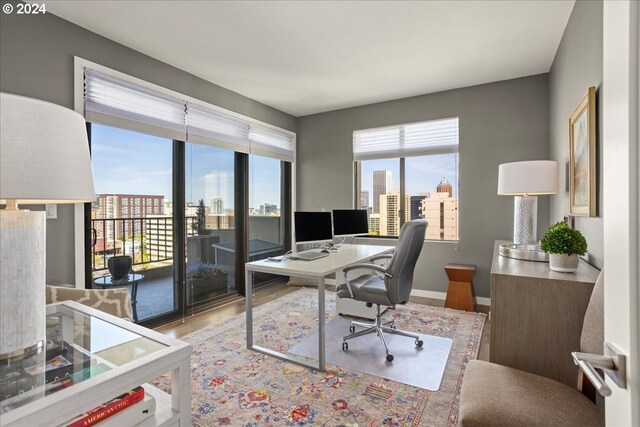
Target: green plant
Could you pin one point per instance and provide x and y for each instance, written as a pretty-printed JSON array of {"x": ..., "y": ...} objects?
[
  {"x": 562, "y": 239},
  {"x": 205, "y": 270}
]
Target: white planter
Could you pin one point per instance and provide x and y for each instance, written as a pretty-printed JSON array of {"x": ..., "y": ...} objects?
[{"x": 564, "y": 263}]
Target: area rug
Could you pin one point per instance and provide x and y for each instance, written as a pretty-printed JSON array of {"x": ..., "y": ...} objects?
[
  {"x": 237, "y": 387},
  {"x": 417, "y": 366}
]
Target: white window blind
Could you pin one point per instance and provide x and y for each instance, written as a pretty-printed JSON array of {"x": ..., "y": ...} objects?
[
  {"x": 120, "y": 103},
  {"x": 415, "y": 139},
  {"x": 115, "y": 102},
  {"x": 270, "y": 142},
  {"x": 207, "y": 126}
]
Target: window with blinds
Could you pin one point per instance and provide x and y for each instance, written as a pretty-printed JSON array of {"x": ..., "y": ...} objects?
[
  {"x": 415, "y": 139},
  {"x": 120, "y": 103},
  {"x": 408, "y": 172}
]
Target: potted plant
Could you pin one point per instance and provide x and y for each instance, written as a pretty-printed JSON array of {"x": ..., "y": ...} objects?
[
  {"x": 563, "y": 244},
  {"x": 205, "y": 279}
]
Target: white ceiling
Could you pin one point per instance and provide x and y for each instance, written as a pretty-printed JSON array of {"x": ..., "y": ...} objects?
[{"x": 305, "y": 57}]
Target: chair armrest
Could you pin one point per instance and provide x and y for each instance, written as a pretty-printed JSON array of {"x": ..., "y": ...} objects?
[
  {"x": 374, "y": 267},
  {"x": 379, "y": 257}
]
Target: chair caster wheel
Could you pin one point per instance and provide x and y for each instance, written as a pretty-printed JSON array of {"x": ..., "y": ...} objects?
[
  {"x": 352, "y": 329},
  {"x": 389, "y": 357},
  {"x": 419, "y": 343},
  {"x": 345, "y": 346}
]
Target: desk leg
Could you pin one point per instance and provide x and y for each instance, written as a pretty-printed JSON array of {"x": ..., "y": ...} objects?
[
  {"x": 321, "y": 337},
  {"x": 181, "y": 391},
  {"x": 249, "y": 307}
]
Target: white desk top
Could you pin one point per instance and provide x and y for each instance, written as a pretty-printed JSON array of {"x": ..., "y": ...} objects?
[{"x": 344, "y": 256}]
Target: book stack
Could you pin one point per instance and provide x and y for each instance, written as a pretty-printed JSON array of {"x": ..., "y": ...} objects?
[{"x": 128, "y": 409}]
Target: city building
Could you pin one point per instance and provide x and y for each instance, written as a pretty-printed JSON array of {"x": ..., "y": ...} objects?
[
  {"x": 390, "y": 207},
  {"x": 364, "y": 199},
  {"x": 269, "y": 210},
  {"x": 441, "y": 210},
  {"x": 217, "y": 206},
  {"x": 381, "y": 184},
  {"x": 123, "y": 213},
  {"x": 218, "y": 189},
  {"x": 374, "y": 224},
  {"x": 416, "y": 206}
]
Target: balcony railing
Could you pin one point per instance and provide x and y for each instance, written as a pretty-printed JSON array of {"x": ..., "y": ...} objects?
[{"x": 146, "y": 239}]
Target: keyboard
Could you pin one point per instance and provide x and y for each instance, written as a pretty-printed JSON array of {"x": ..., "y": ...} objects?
[{"x": 309, "y": 255}]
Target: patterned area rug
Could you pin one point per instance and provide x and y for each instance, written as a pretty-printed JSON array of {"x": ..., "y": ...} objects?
[{"x": 234, "y": 386}]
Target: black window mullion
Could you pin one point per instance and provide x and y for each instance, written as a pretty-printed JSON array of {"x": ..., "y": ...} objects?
[
  {"x": 285, "y": 208},
  {"x": 179, "y": 229},
  {"x": 241, "y": 207}
]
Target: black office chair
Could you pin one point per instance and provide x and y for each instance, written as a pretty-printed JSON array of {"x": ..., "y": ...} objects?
[{"x": 392, "y": 286}]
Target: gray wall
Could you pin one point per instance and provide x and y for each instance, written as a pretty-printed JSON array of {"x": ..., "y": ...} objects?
[
  {"x": 577, "y": 65},
  {"x": 499, "y": 122},
  {"x": 37, "y": 61}
]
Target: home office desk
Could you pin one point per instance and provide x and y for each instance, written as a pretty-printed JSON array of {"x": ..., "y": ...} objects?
[{"x": 317, "y": 269}]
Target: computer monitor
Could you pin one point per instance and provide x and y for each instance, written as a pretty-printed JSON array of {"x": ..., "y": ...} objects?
[
  {"x": 312, "y": 226},
  {"x": 350, "y": 222}
]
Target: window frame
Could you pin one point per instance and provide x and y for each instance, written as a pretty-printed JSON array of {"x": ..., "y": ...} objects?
[{"x": 357, "y": 175}]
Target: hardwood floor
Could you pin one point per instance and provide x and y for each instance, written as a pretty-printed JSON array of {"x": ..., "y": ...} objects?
[{"x": 198, "y": 321}]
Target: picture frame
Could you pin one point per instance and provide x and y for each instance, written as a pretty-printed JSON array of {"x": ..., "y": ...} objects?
[{"x": 582, "y": 156}]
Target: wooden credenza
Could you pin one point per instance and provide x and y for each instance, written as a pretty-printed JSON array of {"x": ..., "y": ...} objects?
[{"x": 537, "y": 315}]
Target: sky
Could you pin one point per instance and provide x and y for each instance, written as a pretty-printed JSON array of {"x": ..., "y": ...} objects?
[
  {"x": 134, "y": 163},
  {"x": 128, "y": 162},
  {"x": 423, "y": 174}
]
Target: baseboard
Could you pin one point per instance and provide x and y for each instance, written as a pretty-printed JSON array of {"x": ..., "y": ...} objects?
[{"x": 443, "y": 296}]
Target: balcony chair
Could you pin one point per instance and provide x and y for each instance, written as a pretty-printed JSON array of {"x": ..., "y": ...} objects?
[
  {"x": 494, "y": 395},
  {"x": 112, "y": 301},
  {"x": 390, "y": 287}
]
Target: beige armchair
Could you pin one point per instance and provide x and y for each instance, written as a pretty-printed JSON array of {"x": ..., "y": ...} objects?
[
  {"x": 499, "y": 396},
  {"x": 112, "y": 301}
]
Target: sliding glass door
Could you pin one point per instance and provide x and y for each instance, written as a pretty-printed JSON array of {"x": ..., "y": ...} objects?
[
  {"x": 210, "y": 223},
  {"x": 268, "y": 211},
  {"x": 132, "y": 215}
]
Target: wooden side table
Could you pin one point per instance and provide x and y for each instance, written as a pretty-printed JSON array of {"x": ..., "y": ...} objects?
[{"x": 460, "y": 293}]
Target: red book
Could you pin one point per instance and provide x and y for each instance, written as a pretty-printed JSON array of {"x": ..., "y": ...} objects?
[{"x": 109, "y": 408}]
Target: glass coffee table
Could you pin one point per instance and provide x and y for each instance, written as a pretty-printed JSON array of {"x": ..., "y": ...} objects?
[
  {"x": 130, "y": 279},
  {"x": 92, "y": 357}
]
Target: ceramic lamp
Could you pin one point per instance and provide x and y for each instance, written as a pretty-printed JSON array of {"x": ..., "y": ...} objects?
[
  {"x": 527, "y": 180},
  {"x": 44, "y": 158}
]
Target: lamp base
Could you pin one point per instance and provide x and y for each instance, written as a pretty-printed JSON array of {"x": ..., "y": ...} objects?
[
  {"x": 525, "y": 220},
  {"x": 22, "y": 353},
  {"x": 523, "y": 252},
  {"x": 22, "y": 279}
]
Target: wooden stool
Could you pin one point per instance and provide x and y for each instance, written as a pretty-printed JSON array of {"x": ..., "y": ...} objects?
[{"x": 460, "y": 293}]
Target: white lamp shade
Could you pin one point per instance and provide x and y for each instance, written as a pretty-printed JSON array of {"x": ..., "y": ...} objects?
[
  {"x": 44, "y": 153},
  {"x": 535, "y": 177}
]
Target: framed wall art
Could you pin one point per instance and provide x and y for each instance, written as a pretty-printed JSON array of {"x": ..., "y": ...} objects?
[{"x": 582, "y": 156}]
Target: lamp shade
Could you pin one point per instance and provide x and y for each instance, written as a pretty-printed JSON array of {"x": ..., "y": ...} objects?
[
  {"x": 44, "y": 153},
  {"x": 535, "y": 177}
]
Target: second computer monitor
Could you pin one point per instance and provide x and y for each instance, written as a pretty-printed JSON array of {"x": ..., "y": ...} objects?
[
  {"x": 350, "y": 222},
  {"x": 312, "y": 226}
]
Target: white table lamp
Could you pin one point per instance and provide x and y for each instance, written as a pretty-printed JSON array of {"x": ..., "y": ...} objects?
[
  {"x": 527, "y": 180},
  {"x": 44, "y": 158}
]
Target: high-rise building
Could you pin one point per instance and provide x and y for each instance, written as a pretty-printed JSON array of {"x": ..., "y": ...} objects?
[
  {"x": 364, "y": 199},
  {"x": 219, "y": 185},
  {"x": 381, "y": 185},
  {"x": 217, "y": 205},
  {"x": 416, "y": 207},
  {"x": 390, "y": 206},
  {"x": 374, "y": 224},
  {"x": 441, "y": 210},
  {"x": 445, "y": 187},
  {"x": 129, "y": 209}
]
